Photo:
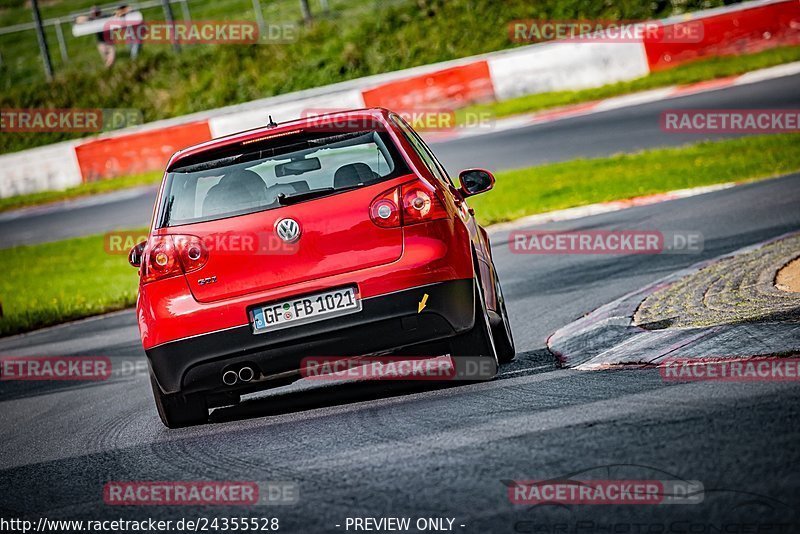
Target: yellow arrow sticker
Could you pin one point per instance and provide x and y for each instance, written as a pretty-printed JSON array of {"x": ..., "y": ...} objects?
[{"x": 422, "y": 302}]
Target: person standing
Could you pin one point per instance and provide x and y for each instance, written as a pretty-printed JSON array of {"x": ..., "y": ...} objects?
[
  {"x": 135, "y": 44},
  {"x": 104, "y": 43}
]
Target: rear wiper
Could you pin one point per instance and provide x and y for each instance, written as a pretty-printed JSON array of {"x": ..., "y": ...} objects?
[{"x": 285, "y": 200}]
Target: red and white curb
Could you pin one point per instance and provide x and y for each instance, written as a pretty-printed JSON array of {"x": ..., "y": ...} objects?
[{"x": 607, "y": 337}]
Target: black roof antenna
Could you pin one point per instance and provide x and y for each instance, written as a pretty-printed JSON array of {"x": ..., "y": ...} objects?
[{"x": 272, "y": 123}]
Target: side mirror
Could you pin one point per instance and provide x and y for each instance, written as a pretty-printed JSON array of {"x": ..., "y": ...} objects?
[
  {"x": 135, "y": 255},
  {"x": 474, "y": 181}
]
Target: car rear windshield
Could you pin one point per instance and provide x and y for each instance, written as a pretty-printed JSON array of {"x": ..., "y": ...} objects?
[{"x": 295, "y": 169}]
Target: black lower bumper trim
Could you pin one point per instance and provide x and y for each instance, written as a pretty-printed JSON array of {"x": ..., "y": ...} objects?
[{"x": 385, "y": 323}]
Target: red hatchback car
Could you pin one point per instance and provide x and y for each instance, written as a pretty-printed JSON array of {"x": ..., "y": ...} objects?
[{"x": 340, "y": 235}]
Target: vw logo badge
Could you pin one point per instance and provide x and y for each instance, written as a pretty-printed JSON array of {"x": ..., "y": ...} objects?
[{"x": 288, "y": 230}]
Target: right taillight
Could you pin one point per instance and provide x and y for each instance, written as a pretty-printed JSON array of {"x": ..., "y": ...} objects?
[
  {"x": 411, "y": 203},
  {"x": 171, "y": 255}
]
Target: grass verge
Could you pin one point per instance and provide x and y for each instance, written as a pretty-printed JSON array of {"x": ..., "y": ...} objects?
[
  {"x": 585, "y": 181},
  {"x": 695, "y": 72},
  {"x": 698, "y": 71},
  {"x": 56, "y": 282},
  {"x": 357, "y": 38},
  {"x": 44, "y": 284},
  {"x": 91, "y": 188}
]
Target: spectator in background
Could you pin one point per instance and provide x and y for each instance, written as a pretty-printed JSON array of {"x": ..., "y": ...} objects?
[
  {"x": 135, "y": 45},
  {"x": 104, "y": 44}
]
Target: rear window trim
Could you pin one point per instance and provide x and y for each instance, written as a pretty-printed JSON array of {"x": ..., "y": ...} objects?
[
  {"x": 265, "y": 153},
  {"x": 387, "y": 146}
]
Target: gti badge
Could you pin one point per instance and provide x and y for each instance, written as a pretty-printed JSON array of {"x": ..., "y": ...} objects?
[{"x": 288, "y": 230}]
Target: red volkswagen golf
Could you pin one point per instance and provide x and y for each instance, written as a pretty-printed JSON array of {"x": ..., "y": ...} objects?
[{"x": 340, "y": 235}]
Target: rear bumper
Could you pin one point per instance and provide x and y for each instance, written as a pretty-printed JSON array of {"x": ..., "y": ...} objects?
[
  {"x": 387, "y": 322},
  {"x": 433, "y": 252}
]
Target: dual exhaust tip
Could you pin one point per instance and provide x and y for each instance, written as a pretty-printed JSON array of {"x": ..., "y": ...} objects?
[{"x": 231, "y": 377}]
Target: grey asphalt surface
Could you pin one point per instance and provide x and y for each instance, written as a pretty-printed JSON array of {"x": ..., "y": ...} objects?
[
  {"x": 369, "y": 452},
  {"x": 596, "y": 135}
]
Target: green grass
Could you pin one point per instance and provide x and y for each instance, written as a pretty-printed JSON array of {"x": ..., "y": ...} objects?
[
  {"x": 697, "y": 71},
  {"x": 532, "y": 190},
  {"x": 20, "y": 50},
  {"x": 55, "y": 282},
  {"x": 359, "y": 38},
  {"x": 91, "y": 188}
]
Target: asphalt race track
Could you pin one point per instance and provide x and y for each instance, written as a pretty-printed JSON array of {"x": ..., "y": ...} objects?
[
  {"x": 596, "y": 135},
  {"x": 374, "y": 452}
]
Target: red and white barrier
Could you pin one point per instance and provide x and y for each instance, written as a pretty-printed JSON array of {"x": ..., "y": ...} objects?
[
  {"x": 450, "y": 88},
  {"x": 48, "y": 168},
  {"x": 563, "y": 66},
  {"x": 740, "y": 29},
  {"x": 256, "y": 116},
  {"x": 551, "y": 66},
  {"x": 136, "y": 152}
]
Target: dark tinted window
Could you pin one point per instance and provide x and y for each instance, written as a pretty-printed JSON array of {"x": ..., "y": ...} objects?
[
  {"x": 422, "y": 150},
  {"x": 264, "y": 178}
]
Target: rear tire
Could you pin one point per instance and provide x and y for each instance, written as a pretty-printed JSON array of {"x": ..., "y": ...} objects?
[
  {"x": 503, "y": 339},
  {"x": 178, "y": 410},
  {"x": 478, "y": 341}
]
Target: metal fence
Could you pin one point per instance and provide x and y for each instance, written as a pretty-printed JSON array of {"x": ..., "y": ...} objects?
[{"x": 19, "y": 59}]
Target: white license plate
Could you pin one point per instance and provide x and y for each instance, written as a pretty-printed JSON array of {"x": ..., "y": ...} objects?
[{"x": 306, "y": 309}]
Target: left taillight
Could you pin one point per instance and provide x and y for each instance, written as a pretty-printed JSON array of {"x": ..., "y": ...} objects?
[
  {"x": 384, "y": 210},
  {"x": 172, "y": 255}
]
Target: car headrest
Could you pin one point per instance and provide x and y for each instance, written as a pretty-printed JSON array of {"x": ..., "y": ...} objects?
[
  {"x": 236, "y": 191},
  {"x": 353, "y": 174},
  {"x": 249, "y": 180}
]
